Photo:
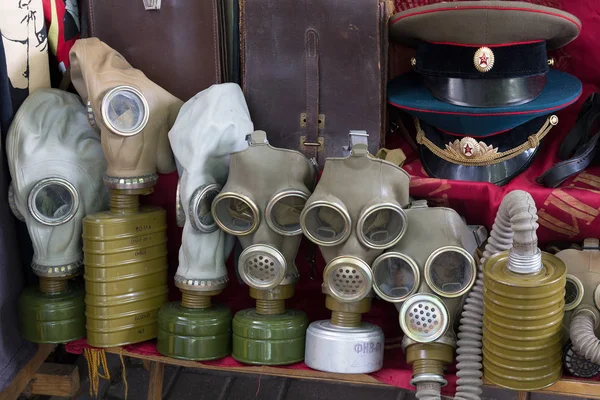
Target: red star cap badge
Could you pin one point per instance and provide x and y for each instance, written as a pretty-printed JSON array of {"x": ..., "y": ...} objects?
[
  {"x": 468, "y": 150},
  {"x": 483, "y": 60}
]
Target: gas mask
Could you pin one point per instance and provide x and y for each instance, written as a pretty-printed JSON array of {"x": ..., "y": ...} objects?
[
  {"x": 125, "y": 248},
  {"x": 56, "y": 163},
  {"x": 210, "y": 126},
  {"x": 354, "y": 214},
  {"x": 426, "y": 275},
  {"x": 582, "y": 298},
  {"x": 261, "y": 203},
  {"x": 132, "y": 113}
]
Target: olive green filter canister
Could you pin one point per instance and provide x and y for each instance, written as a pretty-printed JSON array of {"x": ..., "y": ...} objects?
[
  {"x": 125, "y": 259},
  {"x": 522, "y": 322}
]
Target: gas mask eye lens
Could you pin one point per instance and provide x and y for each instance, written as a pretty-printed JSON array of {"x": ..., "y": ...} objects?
[
  {"x": 395, "y": 276},
  {"x": 125, "y": 110},
  {"x": 53, "y": 201},
  {"x": 326, "y": 224},
  {"x": 283, "y": 212},
  {"x": 235, "y": 214},
  {"x": 450, "y": 271},
  {"x": 201, "y": 217},
  {"x": 381, "y": 226},
  {"x": 573, "y": 292}
]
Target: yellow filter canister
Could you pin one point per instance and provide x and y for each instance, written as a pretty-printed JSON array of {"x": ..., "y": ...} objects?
[
  {"x": 522, "y": 323},
  {"x": 125, "y": 259}
]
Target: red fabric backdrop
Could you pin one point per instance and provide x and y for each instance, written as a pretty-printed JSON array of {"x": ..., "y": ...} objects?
[{"x": 568, "y": 213}]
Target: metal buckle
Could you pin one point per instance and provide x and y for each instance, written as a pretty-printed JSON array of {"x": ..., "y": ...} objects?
[{"x": 152, "y": 4}]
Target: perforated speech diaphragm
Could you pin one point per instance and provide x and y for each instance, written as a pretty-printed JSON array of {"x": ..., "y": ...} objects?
[
  {"x": 424, "y": 318},
  {"x": 349, "y": 278},
  {"x": 261, "y": 266}
]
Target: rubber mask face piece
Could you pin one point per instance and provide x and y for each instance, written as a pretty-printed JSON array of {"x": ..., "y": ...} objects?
[
  {"x": 428, "y": 272},
  {"x": 355, "y": 212},
  {"x": 583, "y": 279},
  {"x": 133, "y": 114},
  {"x": 261, "y": 203},
  {"x": 210, "y": 125},
  {"x": 56, "y": 163}
]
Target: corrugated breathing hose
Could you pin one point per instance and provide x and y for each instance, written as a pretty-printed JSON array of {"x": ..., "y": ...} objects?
[{"x": 514, "y": 229}]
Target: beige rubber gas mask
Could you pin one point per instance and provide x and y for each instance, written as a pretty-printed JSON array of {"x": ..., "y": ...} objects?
[
  {"x": 210, "y": 126},
  {"x": 56, "y": 163},
  {"x": 427, "y": 274},
  {"x": 133, "y": 114},
  {"x": 354, "y": 214},
  {"x": 582, "y": 297},
  {"x": 261, "y": 203}
]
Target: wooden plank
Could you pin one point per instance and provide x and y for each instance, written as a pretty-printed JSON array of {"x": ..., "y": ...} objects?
[
  {"x": 567, "y": 387},
  {"x": 155, "y": 386},
  {"x": 575, "y": 387},
  {"x": 56, "y": 380},
  {"x": 522, "y": 395},
  {"x": 24, "y": 376},
  {"x": 362, "y": 379}
]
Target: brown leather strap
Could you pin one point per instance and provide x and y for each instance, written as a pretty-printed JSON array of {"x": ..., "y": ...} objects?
[{"x": 311, "y": 144}]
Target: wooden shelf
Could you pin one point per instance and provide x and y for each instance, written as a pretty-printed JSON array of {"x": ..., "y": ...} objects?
[{"x": 566, "y": 387}]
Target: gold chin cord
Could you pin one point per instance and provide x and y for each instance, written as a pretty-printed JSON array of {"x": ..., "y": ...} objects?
[{"x": 481, "y": 154}]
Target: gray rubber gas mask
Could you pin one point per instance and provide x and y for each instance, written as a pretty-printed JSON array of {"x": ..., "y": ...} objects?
[
  {"x": 427, "y": 274},
  {"x": 210, "y": 126},
  {"x": 56, "y": 164},
  {"x": 582, "y": 296},
  {"x": 261, "y": 203}
]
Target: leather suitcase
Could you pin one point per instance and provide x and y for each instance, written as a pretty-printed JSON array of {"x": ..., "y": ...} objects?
[
  {"x": 179, "y": 44},
  {"x": 313, "y": 70}
]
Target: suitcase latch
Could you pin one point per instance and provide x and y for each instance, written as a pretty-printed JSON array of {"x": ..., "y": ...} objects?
[
  {"x": 152, "y": 4},
  {"x": 321, "y": 120},
  {"x": 320, "y": 143}
]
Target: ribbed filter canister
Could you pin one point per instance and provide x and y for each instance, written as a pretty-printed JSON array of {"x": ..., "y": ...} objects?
[
  {"x": 522, "y": 323},
  {"x": 125, "y": 259}
]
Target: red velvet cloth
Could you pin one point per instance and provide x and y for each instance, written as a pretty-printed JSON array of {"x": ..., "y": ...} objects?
[{"x": 568, "y": 213}]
